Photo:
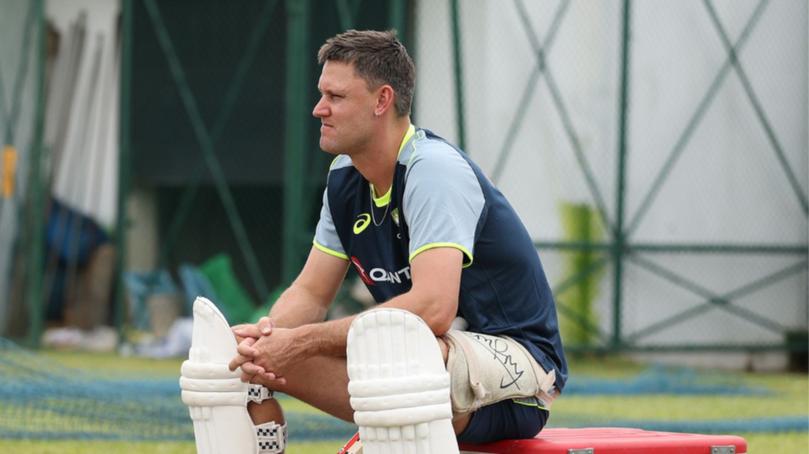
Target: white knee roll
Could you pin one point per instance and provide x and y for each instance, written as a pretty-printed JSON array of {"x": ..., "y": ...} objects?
[
  {"x": 398, "y": 384},
  {"x": 216, "y": 397}
]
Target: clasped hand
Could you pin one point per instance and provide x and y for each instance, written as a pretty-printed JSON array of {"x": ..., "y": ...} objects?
[{"x": 264, "y": 352}]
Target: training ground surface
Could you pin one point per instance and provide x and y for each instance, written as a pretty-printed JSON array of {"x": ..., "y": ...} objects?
[{"x": 785, "y": 396}]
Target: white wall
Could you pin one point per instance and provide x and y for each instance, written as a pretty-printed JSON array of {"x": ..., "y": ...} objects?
[{"x": 727, "y": 185}]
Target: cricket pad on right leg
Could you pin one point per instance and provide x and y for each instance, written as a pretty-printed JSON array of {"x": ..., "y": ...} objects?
[
  {"x": 216, "y": 397},
  {"x": 399, "y": 386}
]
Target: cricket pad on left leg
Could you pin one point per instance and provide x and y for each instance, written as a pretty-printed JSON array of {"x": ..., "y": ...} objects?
[{"x": 398, "y": 384}]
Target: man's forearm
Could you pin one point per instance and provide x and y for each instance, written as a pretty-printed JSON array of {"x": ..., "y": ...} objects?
[
  {"x": 330, "y": 338},
  {"x": 297, "y": 307},
  {"x": 325, "y": 338}
]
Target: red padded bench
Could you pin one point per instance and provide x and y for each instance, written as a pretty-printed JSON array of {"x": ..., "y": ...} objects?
[
  {"x": 600, "y": 440},
  {"x": 614, "y": 440}
]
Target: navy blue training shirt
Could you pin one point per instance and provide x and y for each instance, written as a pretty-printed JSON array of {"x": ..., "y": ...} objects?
[{"x": 440, "y": 198}]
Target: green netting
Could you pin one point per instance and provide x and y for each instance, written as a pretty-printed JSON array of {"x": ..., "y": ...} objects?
[{"x": 40, "y": 399}]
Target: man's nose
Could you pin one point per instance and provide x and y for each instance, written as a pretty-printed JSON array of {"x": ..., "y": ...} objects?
[{"x": 320, "y": 110}]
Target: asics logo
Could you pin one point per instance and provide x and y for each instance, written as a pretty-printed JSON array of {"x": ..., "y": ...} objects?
[{"x": 361, "y": 223}]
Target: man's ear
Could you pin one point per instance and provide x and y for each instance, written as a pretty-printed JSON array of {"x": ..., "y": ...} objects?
[{"x": 384, "y": 99}]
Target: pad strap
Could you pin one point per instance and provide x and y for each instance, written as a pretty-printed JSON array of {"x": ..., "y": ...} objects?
[
  {"x": 271, "y": 437},
  {"x": 258, "y": 393}
]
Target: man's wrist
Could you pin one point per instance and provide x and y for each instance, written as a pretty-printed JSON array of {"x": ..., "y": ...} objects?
[
  {"x": 309, "y": 344},
  {"x": 326, "y": 338}
]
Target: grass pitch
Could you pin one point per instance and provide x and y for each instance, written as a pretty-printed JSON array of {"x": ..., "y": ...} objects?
[{"x": 789, "y": 397}]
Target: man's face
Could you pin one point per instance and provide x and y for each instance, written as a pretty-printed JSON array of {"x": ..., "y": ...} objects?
[{"x": 345, "y": 109}]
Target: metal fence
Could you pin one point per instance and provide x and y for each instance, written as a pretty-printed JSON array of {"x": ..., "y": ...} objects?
[
  {"x": 214, "y": 127},
  {"x": 656, "y": 150},
  {"x": 22, "y": 102}
]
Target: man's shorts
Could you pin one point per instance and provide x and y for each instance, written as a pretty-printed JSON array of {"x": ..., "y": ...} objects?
[{"x": 504, "y": 420}]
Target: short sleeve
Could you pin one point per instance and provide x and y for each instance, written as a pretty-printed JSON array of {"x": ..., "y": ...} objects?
[
  {"x": 443, "y": 201},
  {"x": 326, "y": 238}
]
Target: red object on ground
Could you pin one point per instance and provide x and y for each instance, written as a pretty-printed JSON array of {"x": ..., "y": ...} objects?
[
  {"x": 352, "y": 446},
  {"x": 614, "y": 440}
]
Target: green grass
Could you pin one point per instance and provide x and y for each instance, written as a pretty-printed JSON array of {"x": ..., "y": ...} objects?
[
  {"x": 113, "y": 365},
  {"x": 790, "y": 397},
  {"x": 106, "y": 447},
  {"x": 793, "y": 443},
  {"x": 796, "y": 443}
]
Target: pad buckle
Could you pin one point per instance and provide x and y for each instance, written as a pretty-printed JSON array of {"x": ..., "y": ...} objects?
[
  {"x": 271, "y": 438},
  {"x": 258, "y": 393}
]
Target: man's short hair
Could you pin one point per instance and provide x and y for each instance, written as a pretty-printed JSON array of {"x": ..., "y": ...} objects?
[{"x": 379, "y": 58}]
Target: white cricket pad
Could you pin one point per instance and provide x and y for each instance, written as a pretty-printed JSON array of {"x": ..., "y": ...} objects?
[
  {"x": 398, "y": 384},
  {"x": 217, "y": 398}
]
